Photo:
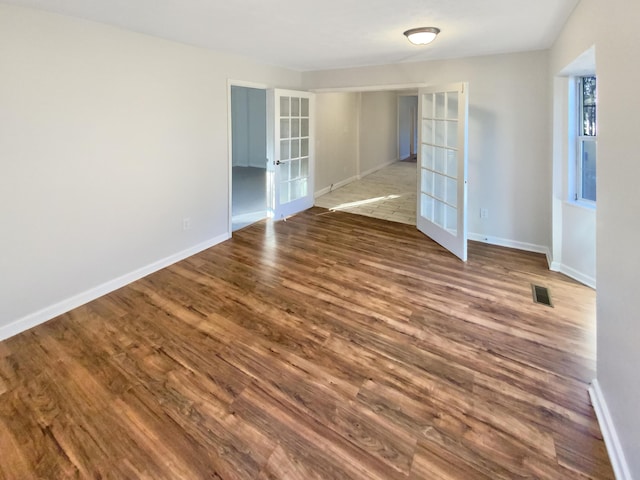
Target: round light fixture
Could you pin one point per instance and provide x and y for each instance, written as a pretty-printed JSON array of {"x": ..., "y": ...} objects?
[{"x": 422, "y": 35}]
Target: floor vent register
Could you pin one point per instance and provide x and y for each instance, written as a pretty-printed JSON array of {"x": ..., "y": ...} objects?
[{"x": 541, "y": 295}]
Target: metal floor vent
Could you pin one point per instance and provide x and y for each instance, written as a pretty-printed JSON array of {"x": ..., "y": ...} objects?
[{"x": 541, "y": 295}]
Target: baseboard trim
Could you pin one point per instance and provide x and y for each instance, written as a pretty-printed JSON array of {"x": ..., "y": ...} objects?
[
  {"x": 33, "y": 319},
  {"x": 504, "y": 242},
  {"x": 333, "y": 186},
  {"x": 579, "y": 276},
  {"x": 570, "y": 272},
  {"x": 611, "y": 440},
  {"x": 249, "y": 217},
  {"x": 376, "y": 168},
  {"x": 322, "y": 191},
  {"x": 550, "y": 262},
  {"x": 347, "y": 181},
  {"x": 531, "y": 247}
]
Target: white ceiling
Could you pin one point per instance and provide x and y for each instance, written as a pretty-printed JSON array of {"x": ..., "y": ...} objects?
[{"x": 317, "y": 35}]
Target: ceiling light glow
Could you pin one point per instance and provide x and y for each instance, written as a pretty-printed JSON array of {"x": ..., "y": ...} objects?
[{"x": 422, "y": 35}]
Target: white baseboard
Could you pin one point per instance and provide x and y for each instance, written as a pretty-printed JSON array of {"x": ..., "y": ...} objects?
[
  {"x": 550, "y": 262},
  {"x": 570, "y": 272},
  {"x": 250, "y": 217},
  {"x": 347, "y": 181},
  {"x": 333, "y": 186},
  {"x": 376, "y": 168},
  {"x": 52, "y": 311},
  {"x": 611, "y": 440},
  {"x": 579, "y": 276},
  {"x": 531, "y": 247},
  {"x": 322, "y": 191},
  {"x": 504, "y": 242}
]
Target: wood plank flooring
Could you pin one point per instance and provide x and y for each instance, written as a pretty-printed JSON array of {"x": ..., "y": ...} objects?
[{"x": 329, "y": 346}]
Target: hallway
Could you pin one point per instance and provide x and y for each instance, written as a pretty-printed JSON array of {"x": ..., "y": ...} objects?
[{"x": 388, "y": 194}]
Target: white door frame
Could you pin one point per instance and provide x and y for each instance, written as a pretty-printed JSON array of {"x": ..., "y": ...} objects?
[{"x": 372, "y": 88}]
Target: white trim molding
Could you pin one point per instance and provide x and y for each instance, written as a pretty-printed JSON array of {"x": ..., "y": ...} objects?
[
  {"x": 611, "y": 440},
  {"x": 33, "y": 319},
  {"x": 504, "y": 242},
  {"x": 531, "y": 247},
  {"x": 571, "y": 272},
  {"x": 347, "y": 181},
  {"x": 361, "y": 175},
  {"x": 334, "y": 186},
  {"x": 371, "y": 88},
  {"x": 579, "y": 276}
]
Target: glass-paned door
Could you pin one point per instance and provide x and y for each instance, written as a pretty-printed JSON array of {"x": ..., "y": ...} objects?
[
  {"x": 290, "y": 133},
  {"x": 442, "y": 166}
]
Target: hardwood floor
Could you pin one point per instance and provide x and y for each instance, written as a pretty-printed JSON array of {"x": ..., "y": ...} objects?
[{"x": 329, "y": 346}]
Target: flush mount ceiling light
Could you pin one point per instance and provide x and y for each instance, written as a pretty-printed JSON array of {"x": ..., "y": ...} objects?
[{"x": 422, "y": 35}]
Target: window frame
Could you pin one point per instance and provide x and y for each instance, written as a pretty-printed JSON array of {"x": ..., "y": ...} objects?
[{"x": 581, "y": 141}]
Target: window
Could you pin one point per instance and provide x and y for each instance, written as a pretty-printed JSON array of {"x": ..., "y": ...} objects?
[{"x": 585, "y": 188}]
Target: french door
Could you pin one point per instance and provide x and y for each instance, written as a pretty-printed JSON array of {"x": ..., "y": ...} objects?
[
  {"x": 290, "y": 140},
  {"x": 442, "y": 166}
]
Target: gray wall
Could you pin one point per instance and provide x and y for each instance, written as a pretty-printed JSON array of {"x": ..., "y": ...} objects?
[
  {"x": 249, "y": 127},
  {"x": 357, "y": 134},
  {"x": 336, "y": 138},
  {"x": 407, "y": 109},
  {"x": 378, "y": 130}
]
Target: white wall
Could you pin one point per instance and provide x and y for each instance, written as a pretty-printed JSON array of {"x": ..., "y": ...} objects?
[
  {"x": 249, "y": 126},
  {"x": 509, "y": 136},
  {"x": 336, "y": 139},
  {"x": 378, "y": 130},
  {"x": 108, "y": 140},
  {"x": 407, "y": 121},
  {"x": 612, "y": 28},
  {"x": 579, "y": 243}
]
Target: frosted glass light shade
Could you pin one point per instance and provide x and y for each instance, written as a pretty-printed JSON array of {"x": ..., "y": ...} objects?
[{"x": 422, "y": 35}]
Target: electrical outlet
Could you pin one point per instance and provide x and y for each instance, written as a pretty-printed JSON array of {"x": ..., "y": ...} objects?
[
  {"x": 484, "y": 213},
  {"x": 186, "y": 224}
]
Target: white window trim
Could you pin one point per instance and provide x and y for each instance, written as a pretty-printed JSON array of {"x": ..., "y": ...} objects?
[{"x": 575, "y": 153}]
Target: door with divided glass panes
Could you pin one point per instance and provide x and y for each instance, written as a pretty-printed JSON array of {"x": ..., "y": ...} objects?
[
  {"x": 442, "y": 166},
  {"x": 290, "y": 145}
]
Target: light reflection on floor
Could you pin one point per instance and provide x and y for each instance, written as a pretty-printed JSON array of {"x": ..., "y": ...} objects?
[{"x": 389, "y": 193}]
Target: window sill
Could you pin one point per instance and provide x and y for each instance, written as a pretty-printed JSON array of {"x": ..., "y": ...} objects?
[{"x": 589, "y": 206}]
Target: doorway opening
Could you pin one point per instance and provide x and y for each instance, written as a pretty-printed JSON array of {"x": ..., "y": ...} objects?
[
  {"x": 365, "y": 136},
  {"x": 407, "y": 127},
  {"x": 440, "y": 182},
  {"x": 249, "y": 156}
]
